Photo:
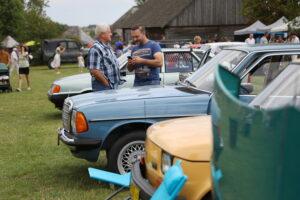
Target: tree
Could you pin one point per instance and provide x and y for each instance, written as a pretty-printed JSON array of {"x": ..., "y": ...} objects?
[
  {"x": 12, "y": 16},
  {"x": 268, "y": 11}
]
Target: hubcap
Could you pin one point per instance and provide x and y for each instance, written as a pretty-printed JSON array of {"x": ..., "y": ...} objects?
[{"x": 129, "y": 154}]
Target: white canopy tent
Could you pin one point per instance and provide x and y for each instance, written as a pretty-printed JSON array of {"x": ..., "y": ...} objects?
[
  {"x": 9, "y": 42},
  {"x": 250, "y": 29},
  {"x": 285, "y": 27},
  {"x": 283, "y": 20}
]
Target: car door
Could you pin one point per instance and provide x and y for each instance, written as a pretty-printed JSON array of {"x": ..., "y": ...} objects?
[
  {"x": 73, "y": 51},
  {"x": 261, "y": 73}
]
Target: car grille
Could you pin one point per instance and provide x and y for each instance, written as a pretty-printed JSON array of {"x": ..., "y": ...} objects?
[{"x": 66, "y": 114}]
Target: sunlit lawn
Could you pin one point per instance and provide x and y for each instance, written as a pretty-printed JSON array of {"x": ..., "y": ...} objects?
[{"x": 32, "y": 166}]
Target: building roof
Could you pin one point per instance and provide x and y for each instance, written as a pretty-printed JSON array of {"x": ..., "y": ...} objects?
[
  {"x": 154, "y": 13},
  {"x": 9, "y": 42},
  {"x": 76, "y": 31}
]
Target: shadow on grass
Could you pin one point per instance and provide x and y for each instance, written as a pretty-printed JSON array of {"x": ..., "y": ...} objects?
[
  {"x": 78, "y": 174},
  {"x": 52, "y": 116}
]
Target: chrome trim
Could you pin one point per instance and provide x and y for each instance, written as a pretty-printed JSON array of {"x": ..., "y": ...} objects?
[
  {"x": 148, "y": 117},
  {"x": 63, "y": 136}
]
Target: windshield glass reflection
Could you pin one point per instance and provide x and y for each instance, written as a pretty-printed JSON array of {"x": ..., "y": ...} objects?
[
  {"x": 203, "y": 79},
  {"x": 284, "y": 90}
]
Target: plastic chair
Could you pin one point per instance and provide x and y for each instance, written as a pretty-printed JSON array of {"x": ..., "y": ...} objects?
[
  {"x": 172, "y": 184},
  {"x": 121, "y": 180}
]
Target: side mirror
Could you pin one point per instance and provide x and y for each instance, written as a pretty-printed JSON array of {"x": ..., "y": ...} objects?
[
  {"x": 248, "y": 87},
  {"x": 123, "y": 73}
]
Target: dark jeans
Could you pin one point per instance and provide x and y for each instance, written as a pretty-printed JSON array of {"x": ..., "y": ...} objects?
[
  {"x": 142, "y": 83},
  {"x": 98, "y": 86}
]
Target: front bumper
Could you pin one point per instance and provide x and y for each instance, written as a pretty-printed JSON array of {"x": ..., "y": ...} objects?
[
  {"x": 58, "y": 99},
  {"x": 76, "y": 143},
  {"x": 145, "y": 190}
]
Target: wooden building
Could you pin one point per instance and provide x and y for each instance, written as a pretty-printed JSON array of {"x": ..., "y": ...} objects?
[{"x": 183, "y": 19}]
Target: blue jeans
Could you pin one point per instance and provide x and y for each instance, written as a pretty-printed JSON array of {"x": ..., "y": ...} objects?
[
  {"x": 98, "y": 86},
  {"x": 143, "y": 83}
]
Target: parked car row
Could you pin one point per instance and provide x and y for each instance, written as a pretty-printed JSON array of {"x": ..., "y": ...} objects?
[{"x": 117, "y": 121}]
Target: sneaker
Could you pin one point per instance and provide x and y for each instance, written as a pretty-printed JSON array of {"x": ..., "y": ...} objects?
[
  {"x": 18, "y": 90},
  {"x": 29, "y": 88}
]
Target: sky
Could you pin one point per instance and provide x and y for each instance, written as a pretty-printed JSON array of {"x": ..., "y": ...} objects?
[{"x": 86, "y": 12}]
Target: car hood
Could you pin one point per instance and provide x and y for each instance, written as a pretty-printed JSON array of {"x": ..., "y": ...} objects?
[
  {"x": 187, "y": 138},
  {"x": 128, "y": 94},
  {"x": 73, "y": 78}
]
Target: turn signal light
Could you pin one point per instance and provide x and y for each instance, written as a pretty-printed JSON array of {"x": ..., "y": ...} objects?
[
  {"x": 56, "y": 89},
  {"x": 81, "y": 125}
]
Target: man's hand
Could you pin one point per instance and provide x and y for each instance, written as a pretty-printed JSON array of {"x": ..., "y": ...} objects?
[{"x": 99, "y": 76}]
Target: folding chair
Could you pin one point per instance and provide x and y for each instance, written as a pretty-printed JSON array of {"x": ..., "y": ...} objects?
[{"x": 172, "y": 184}]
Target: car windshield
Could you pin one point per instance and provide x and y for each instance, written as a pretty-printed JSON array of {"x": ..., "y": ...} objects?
[
  {"x": 203, "y": 78},
  {"x": 284, "y": 90}
]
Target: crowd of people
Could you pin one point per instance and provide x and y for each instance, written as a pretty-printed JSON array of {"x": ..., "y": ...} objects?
[
  {"x": 266, "y": 39},
  {"x": 17, "y": 60}
]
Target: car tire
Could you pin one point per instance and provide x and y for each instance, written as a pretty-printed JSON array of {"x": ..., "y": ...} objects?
[
  {"x": 49, "y": 63},
  {"x": 125, "y": 151}
]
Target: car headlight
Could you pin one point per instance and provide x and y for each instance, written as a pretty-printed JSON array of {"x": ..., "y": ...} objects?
[
  {"x": 166, "y": 162},
  {"x": 73, "y": 121},
  {"x": 78, "y": 122},
  {"x": 55, "y": 89}
]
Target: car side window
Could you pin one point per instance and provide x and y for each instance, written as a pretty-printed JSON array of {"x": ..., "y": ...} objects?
[
  {"x": 264, "y": 72},
  {"x": 72, "y": 45},
  {"x": 179, "y": 62}
]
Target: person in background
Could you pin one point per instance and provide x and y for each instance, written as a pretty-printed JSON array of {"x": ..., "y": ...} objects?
[
  {"x": 102, "y": 62},
  {"x": 146, "y": 60},
  {"x": 197, "y": 39},
  {"x": 14, "y": 61},
  {"x": 294, "y": 38},
  {"x": 162, "y": 39},
  {"x": 119, "y": 47},
  {"x": 80, "y": 62},
  {"x": 56, "y": 61},
  {"x": 4, "y": 57},
  {"x": 264, "y": 39},
  {"x": 23, "y": 68},
  {"x": 250, "y": 39},
  {"x": 119, "y": 50}
]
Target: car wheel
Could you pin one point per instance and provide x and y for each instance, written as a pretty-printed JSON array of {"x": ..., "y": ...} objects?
[
  {"x": 49, "y": 63},
  {"x": 126, "y": 151}
]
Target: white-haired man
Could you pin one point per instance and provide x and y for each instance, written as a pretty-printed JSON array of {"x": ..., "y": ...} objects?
[{"x": 102, "y": 62}]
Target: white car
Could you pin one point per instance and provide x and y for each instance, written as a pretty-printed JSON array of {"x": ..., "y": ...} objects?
[{"x": 175, "y": 62}]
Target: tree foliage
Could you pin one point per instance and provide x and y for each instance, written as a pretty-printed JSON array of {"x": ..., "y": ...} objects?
[
  {"x": 268, "y": 11},
  {"x": 26, "y": 20}
]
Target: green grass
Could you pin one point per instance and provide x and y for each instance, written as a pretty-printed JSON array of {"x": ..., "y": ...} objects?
[{"x": 32, "y": 166}]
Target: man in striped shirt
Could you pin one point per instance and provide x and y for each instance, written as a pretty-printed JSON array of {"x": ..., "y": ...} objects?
[{"x": 102, "y": 62}]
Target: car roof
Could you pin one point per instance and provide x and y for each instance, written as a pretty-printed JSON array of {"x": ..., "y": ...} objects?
[
  {"x": 57, "y": 40},
  {"x": 181, "y": 50},
  {"x": 267, "y": 47}
]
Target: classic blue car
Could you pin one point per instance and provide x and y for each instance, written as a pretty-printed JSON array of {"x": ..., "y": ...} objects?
[{"x": 116, "y": 120}]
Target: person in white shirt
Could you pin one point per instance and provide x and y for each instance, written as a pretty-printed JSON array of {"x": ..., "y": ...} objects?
[
  {"x": 294, "y": 38},
  {"x": 250, "y": 39},
  {"x": 14, "y": 61},
  {"x": 264, "y": 39}
]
